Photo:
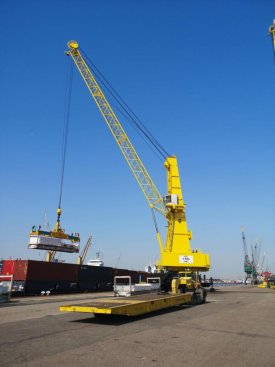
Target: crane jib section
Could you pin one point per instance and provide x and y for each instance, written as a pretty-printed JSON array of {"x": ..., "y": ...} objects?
[{"x": 143, "y": 178}]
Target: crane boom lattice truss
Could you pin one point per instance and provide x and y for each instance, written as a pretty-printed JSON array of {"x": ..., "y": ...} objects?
[{"x": 143, "y": 178}]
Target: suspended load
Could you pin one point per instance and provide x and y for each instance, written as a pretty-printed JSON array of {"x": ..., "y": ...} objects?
[
  {"x": 52, "y": 241},
  {"x": 55, "y": 240}
]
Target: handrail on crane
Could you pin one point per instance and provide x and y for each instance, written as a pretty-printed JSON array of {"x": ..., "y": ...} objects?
[{"x": 176, "y": 255}]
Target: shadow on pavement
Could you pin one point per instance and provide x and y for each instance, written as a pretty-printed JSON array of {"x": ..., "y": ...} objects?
[{"x": 120, "y": 319}]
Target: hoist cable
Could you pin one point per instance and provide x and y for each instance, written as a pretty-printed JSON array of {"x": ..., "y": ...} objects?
[
  {"x": 132, "y": 118},
  {"x": 131, "y": 115},
  {"x": 134, "y": 126},
  {"x": 145, "y": 135},
  {"x": 127, "y": 114},
  {"x": 68, "y": 95}
]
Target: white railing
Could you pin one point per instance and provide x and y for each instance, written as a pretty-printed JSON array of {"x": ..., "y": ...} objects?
[{"x": 123, "y": 286}]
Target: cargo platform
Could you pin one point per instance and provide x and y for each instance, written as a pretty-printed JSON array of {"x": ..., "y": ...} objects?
[{"x": 130, "y": 306}]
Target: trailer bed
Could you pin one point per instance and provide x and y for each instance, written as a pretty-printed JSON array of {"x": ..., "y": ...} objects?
[{"x": 130, "y": 306}]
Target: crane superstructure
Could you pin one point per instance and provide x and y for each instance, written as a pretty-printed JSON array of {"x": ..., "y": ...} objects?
[{"x": 176, "y": 254}]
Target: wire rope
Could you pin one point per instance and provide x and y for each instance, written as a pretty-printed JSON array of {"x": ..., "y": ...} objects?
[
  {"x": 130, "y": 115},
  {"x": 68, "y": 95},
  {"x": 117, "y": 108}
]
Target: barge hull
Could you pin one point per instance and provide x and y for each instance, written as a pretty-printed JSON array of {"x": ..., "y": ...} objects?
[{"x": 33, "y": 277}]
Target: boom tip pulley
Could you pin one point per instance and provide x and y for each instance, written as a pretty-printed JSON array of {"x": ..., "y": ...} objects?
[{"x": 73, "y": 45}]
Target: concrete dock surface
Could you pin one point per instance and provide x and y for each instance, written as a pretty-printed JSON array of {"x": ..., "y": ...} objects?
[{"x": 236, "y": 327}]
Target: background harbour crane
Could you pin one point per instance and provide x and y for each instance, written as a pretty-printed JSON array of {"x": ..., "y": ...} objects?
[{"x": 248, "y": 268}]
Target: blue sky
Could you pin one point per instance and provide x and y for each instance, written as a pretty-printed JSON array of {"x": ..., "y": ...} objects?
[{"x": 199, "y": 74}]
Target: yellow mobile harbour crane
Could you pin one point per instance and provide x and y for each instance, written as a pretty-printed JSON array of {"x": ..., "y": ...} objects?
[{"x": 176, "y": 255}]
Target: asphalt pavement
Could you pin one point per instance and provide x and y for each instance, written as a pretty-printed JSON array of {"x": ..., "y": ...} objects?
[{"x": 236, "y": 327}]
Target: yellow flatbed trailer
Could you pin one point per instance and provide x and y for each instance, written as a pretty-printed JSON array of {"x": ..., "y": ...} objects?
[{"x": 130, "y": 306}]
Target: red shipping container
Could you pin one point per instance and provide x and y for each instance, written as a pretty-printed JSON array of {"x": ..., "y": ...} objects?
[
  {"x": 40, "y": 270},
  {"x": 20, "y": 270},
  {"x": 8, "y": 267},
  {"x": 17, "y": 268}
]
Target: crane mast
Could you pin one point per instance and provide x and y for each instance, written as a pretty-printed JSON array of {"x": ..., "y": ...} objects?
[{"x": 176, "y": 254}]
